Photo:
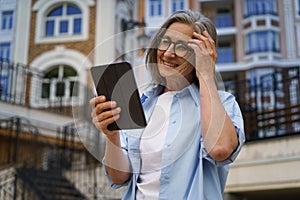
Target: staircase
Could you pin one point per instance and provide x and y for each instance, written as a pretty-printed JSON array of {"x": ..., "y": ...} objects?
[{"x": 49, "y": 184}]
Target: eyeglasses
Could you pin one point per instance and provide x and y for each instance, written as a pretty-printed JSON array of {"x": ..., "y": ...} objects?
[{"x": 180, "y": 47}]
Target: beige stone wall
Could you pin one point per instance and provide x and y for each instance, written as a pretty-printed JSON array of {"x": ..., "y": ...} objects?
[{"x": 266, "y": 165}]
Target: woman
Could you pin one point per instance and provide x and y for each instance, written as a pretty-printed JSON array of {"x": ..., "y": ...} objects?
[{"x": 194, "y": 131}]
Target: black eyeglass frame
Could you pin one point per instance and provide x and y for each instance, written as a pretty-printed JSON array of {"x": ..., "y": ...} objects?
[{"x": 179, "y": 42}]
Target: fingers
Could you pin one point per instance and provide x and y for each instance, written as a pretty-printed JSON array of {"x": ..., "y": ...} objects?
[
  {"x": 104, "y": 113},
  {"x": 205, "y": 54},
  {"x": 102, "y": 120},
  {"x": 112, "y": 114},
  {"x": 102, "y": 106},
  {"x": 96, "y": 100},
  {"x": 204, "y": 44}
]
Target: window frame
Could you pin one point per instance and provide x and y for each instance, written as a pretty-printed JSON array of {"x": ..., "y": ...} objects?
[
  {"x": 57, "y": 56},
  {"x": 171, "y": 5},
  {"x": 5, "y": 48},
  {"x": 225, "y": 53},
  {"x": 224, "y": 18},
  {"x": 58, "y": 20},
  {"x": 44, "y": 6},
  {"x": 253, "y": 38},
  {"x": 54, "y": 82},
  {"x": 297, "y": 9},
  {"x": 254, "y": 11},
  {"x": 156, "y": 8},
  {"x": 298, "y": 37},
  {"x": 7, "y": 21}
]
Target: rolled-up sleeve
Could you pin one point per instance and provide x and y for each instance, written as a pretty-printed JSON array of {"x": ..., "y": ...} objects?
[{"x": 124, "y": 146}]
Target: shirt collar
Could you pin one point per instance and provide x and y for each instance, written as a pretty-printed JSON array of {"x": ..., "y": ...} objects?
[
  {"x": 157, "y": 89},
  {"x": 193, "y": 90}
]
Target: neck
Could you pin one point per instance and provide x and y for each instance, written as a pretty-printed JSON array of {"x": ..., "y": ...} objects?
[{"x": 176, "y": 84}]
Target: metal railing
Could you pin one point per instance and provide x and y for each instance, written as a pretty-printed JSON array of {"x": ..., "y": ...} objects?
[
  {"x": 21, "y": 85},
  {"x": 65, "y": 155},
  {"x": 270, "y": 103}
]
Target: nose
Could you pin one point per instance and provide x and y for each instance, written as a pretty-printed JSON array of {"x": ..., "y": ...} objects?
[{"x": 170, "y": 51}]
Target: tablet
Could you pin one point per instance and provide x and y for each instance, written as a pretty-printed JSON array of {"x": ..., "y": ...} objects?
[{"x": 116, "y": 82}]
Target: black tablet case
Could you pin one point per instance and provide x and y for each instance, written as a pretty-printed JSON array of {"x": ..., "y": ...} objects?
[{"x": 116, "y": 81}]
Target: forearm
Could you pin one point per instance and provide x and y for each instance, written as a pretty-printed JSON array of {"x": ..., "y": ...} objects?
[
  {"x": 218, "y": 132},
  {"x": 116, "y": 161}
]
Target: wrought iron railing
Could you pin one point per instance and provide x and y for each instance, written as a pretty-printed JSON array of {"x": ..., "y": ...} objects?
[
  {"x": 22, "y": 85},
  {"x": 270, "y": 103},
  {"x": 65, "y": 155}
]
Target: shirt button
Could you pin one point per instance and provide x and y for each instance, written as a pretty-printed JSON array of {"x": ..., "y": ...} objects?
[{"x": 173, "y": 122}]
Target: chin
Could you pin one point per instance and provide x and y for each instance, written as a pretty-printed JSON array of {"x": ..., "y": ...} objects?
[{"x": 167, "y": 71}]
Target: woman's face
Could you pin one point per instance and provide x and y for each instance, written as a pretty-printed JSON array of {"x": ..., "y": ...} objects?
[{"x": 173, "y": 54}]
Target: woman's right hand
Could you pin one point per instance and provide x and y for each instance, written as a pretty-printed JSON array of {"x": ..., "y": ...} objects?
[
  {"x": 116, "y": 163},
  {"x": 104, "y": 113}
]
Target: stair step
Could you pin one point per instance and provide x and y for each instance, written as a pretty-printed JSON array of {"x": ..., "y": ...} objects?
[{"x": 52, "y": 184}]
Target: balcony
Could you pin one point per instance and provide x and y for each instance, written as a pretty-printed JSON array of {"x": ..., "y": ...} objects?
[
  {"x": 22, "y": 86},
  {"x": 266, "y": 167},
  {"x": 260, "y": 13},
  {"x": 221, "y": 13},
  {"x": 270, "y": 103}
]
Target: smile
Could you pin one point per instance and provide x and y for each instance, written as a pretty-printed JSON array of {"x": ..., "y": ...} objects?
[{"x": 169, "y": 64}]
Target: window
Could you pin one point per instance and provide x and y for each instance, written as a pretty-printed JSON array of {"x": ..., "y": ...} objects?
[
  {"x": 65, "y": 19},
  {"x": 4, "y": 80},
  {"x": 59, "y": 83},
  {"x": 62, "y": 21},
  {"x": 155, "y": 8},
  {"x": 5, "y": 50},
  {"x": 7, "y": 20},
  {"x": 225, "y": 53},
  {"x": 177, "y": 5},
  {"x": 260, "y": 7},
  {"x": 298, "y": 8},
  {"x": 264, "y": 41},
  {"x": 223, "y": 18}
]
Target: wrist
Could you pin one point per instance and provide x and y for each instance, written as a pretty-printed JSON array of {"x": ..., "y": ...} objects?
[{"x": 113, "y": 137}]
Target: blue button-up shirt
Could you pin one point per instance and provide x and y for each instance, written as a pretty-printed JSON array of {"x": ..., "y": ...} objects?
[{"x": 188, "y": 172}]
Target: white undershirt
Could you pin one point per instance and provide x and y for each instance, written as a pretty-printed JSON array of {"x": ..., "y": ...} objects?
[{"x": 151, "y": 147}]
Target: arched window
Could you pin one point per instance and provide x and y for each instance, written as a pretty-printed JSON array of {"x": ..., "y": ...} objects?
[
  {"x": 65, "y": 19},
  {"x": 59, "y": 83},
  {"x": 62, "y": 21}
]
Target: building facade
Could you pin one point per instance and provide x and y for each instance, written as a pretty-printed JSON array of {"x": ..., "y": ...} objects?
[
  {"x": 48, "y": 47},
  {"x": 7, "y": 27}
]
